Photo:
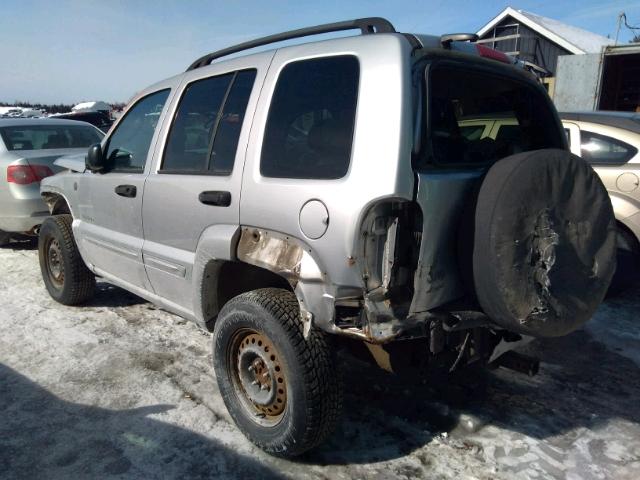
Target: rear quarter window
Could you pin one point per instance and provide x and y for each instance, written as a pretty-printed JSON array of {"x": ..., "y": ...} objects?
[
  {"x": 49, "y": 137},
  {"x": 604, "y": 150},
  {"x": 309, "y": 131}
]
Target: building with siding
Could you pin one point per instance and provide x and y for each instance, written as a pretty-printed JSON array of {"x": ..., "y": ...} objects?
[{"x": 539, "y": 40}]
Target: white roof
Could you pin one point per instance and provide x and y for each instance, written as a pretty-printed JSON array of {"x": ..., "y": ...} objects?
[
  {"x": 91, "y": 107},
  {"x": 573, "y": 39}
]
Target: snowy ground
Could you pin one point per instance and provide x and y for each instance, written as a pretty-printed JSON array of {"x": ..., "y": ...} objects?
[{"x": 119, "y": 389}]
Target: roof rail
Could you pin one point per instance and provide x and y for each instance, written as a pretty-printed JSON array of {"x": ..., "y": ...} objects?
[{"x": 365, "y": 25}]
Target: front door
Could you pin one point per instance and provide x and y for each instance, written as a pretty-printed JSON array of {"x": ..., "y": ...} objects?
[{"x": 110, "y": 206}]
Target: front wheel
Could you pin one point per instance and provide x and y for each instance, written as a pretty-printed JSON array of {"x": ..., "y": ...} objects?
[
  {"x": 281, "y": 389},
  {"x": 64, "y": 273}
]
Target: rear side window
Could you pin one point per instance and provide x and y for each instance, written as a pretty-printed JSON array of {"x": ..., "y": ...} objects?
[
  {"x": 206, "y": 128},
  {"x": 460, "y": 98},
  {"x": 604, "y": 150},
  {"x": 309, "y": 131},
  {"x": 49, "y": 137}
]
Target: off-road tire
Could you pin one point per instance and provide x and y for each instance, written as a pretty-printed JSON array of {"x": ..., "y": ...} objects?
[
  {"x": 4, "y": 238},
  {"x": 313, "y": 385},
  {"x": 77, "y": 283}
]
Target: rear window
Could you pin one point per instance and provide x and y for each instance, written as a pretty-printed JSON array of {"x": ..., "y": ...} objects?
[
  {"x": 44, "y": 137},
  {"x": 476, "y": 118},
  {"x": 309, "y": 129},
  {"x": 604, "y": 150}
]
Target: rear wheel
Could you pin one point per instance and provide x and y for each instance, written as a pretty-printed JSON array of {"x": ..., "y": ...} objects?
[
  {"x": 281, "y": 389},
  {"x": 64, "y": 273}
]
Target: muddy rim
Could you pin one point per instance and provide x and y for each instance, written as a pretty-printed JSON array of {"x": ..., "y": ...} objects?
[
  {"x": 55, "y": 264},
  {"x": 258, "y": 377}
]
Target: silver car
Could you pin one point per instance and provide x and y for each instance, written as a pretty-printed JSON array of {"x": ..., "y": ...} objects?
[
  {"x": 610, "y": 142},
  {"x": 28, "y": 149},
  {"x": 293, "y": 197}
]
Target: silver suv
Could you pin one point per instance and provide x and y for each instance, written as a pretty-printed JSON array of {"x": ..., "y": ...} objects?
[{"x": 319, "y": 192}]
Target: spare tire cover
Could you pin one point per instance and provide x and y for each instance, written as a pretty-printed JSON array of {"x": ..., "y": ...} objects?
[{"x": 544, "y": 243}]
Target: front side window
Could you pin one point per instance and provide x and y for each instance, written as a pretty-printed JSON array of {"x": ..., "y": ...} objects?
[
  {"x": 128, "y": 146},
  {"x": 206, "y": 127},
  {"x": 49, "y": 137},
  {"x": 309, "y": 131},
  {"x": 603, "y": 150},
  {"x": 459, "y": 98}
]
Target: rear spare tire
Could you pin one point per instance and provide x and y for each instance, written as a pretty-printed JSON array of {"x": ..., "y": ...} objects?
[{"x": 544, "y": 243}]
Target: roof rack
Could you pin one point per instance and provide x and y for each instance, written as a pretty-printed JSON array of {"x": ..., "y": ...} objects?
[{"x": 365, "y": 25}]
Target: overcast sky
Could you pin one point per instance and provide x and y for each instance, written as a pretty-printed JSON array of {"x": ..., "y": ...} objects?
[{"x": 74, "y": 50}]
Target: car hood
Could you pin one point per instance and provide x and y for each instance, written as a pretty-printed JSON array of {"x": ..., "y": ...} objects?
[{"x": 74, "y": 162}]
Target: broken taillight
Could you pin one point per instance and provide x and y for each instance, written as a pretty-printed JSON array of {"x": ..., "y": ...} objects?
[{"x": 26, "y": 174}]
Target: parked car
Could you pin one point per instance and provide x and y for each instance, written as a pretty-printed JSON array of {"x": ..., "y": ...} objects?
[
  {"x": 28, "y": 148},
  {"x": 99, "y": 119},
  {"x": 295, "y": 197},
  {"x": 610, "y": 142}
]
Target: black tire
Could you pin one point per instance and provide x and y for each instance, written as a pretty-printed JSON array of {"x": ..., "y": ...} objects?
[
  {"x": 628, "y": 263},
  {"x": 544, "y": 243},
  {"x": 307, "y": 407},
  {"x": 64, "y": 273},
  {"x": 5, "y": 237}
]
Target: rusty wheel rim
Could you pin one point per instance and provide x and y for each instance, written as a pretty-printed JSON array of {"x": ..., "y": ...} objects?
[
  {"x": 258, "y": 377},
  {"x": 55, "y": 264}
]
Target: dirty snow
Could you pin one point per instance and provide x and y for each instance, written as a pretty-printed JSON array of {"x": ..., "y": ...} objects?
[{"x": 119, "y": 389}]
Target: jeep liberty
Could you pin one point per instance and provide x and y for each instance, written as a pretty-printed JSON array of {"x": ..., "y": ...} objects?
[{"x": 319, "y": 194}]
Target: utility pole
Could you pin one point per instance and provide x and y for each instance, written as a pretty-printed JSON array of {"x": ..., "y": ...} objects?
[{"x": 621, "y": 15}]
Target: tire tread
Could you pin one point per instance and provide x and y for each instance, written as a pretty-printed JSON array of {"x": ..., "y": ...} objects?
[
  {"x": 317, "y": 359},
  {"x": 82, "y": 281}
]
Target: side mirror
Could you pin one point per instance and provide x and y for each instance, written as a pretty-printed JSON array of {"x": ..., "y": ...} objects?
[{"x": 95, "y": 160}]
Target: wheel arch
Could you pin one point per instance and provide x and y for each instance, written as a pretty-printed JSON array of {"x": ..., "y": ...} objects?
[
  {"x": 254, "y": 259},
  {"x": 216, "y": 287},
  {"x": 222, "y": 271},
  {"x": 57, "y": 203}
]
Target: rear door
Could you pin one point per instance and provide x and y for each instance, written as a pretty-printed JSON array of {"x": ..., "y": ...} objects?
[
  {"x": 195, "y": 184},
  {"x": 110, "y": 203},
  {"x": 452, "y": 164}
]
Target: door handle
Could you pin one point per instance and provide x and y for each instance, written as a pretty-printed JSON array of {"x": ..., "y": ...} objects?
[
  {"x": 128, "y": 191},
  {"x": 215, "y": 198}
]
